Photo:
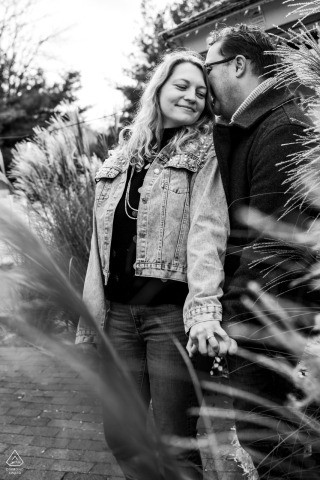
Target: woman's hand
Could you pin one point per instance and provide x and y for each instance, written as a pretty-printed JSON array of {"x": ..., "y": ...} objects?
[{"x": 209, "y": 338}]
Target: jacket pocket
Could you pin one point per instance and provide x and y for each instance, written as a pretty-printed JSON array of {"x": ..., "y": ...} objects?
[
  {"x": 177, "y": 172},
  {"x": 176, "y": 180}
]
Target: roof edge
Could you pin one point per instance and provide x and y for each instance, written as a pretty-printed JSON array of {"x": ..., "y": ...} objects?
[{"x": 211, "y": 13}]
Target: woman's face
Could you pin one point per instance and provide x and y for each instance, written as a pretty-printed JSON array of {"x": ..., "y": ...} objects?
[{"x": 182, "y": 97}]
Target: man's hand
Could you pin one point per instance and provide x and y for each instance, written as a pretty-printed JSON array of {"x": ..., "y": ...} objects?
[{"x": 209, "y": 338}]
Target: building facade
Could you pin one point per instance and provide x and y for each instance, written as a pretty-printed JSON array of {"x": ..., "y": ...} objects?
[{"x": 272, "y": 15}]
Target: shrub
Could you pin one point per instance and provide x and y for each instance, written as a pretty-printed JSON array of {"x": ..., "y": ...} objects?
[{"x": 54, "y": 176}]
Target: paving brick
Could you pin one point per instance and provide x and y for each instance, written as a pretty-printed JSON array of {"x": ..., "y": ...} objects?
[
  {"x": 25, "y": 450},
  {"x": 16, "y": 377},
  {"x": 11, "y": 428},
  {"x": 43, "y": 431},
  {"x": 98, "y": 457},
  {"x": 65, "y": 454},
  {"x": 88, "y": 445},
  {"x": 44, "y": 475},
  {"x": 73, "y": 424},
  {"x": 70, "y": 466},
  {"x": 4, "y": 409},
  {"x": 4, "y": 475},
  {"x": 84, "y": 401},
  {"x": 58, "y": 391},
  {"x": 73, "y": 381},
  {"x": 51, "y": 414},
  {"x": 23, "y": 385},
  {"x": 84, "y": 476},
  {"x": 39, "y": 399},
  {"x": 107, "y": 469},
  {"x": 72, "y": 408},
  {"x": 88, "y": 417},
  {"x": 36, "y": 463},
  {"x": 76, "y": 424},
  {"x": 63, "y": 377},
  {"x": 4, "y": 390},
  {"x": 63, "y": 400},
  {"x": 7, "y": 398},
  {"x": 25, "y": 412},
  {"x": 5, "y": 419},
  {"x": 30, "y": 421},
  {"x": 47, "y": 442},
  {"x": 52, "y": 386},
  {"x": 15, "y": 403},
  {"x": 16, "y": 439},
  {"x": 80, "y": 434},
  {"x": 3, "y": 447}
]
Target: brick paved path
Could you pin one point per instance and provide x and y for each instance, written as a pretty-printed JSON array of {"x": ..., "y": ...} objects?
[{"x": 54, "y": 425}]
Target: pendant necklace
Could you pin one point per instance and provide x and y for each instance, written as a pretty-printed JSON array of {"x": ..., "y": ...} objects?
[{"x": 126, "y": 201}]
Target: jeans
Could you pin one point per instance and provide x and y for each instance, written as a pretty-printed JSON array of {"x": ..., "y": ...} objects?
[
  {"x": 266, "y": 429},
  {"x": 140, "y": 335}
]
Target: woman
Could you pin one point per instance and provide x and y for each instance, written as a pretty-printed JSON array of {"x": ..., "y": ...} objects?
[{"x": 160, "y": 230}]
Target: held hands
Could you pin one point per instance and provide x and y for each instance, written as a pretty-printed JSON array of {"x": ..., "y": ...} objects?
[{"x": 209, "y": 338}]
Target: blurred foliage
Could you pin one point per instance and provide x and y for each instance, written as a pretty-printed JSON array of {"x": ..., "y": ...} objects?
[
  {"x": 54, "y": 175},
  {"x": 27, "y": 99},
  {"x": 41, "y": 275}
]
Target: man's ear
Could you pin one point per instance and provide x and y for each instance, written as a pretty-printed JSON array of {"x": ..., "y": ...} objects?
[{"x": 241, "y": 65}]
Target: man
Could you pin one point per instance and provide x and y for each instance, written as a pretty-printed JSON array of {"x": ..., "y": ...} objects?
[{"x": 256, "y": 130}]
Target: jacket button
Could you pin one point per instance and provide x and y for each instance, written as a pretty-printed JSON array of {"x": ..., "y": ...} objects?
[
  {"x": 142, "y": 235},
  {"x": 144, "y": 200},
  {"x": 157, "y": 171}
]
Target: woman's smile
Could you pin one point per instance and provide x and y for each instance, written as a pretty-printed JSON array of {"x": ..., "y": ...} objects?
[{"x": 187, "y": 107}]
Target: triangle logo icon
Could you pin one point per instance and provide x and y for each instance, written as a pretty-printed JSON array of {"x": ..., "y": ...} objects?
[{"x": 14, "y": 460}]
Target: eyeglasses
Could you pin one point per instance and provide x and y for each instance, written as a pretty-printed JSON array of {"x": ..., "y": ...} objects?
[{"x": 208, "y": 66}]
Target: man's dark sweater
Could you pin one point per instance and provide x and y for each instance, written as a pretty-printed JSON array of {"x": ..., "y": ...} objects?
[{"x": 249, "y": 152}]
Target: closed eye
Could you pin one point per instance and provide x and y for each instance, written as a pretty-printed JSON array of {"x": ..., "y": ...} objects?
[{"x": 200, "y": 94}]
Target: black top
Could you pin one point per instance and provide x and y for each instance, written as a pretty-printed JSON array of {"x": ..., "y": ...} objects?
[{"x": 123, "y": 286}]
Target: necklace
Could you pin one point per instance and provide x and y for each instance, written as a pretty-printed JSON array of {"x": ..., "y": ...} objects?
[{"x": 126, "y": 201}]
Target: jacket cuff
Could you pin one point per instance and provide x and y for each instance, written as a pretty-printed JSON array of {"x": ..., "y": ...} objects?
[
  {"x": 202, "y": 314},
  {"x": 86, "y": 335}
]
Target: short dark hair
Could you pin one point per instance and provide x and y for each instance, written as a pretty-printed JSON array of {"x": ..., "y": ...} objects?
[{"x": 250, "y": 41}]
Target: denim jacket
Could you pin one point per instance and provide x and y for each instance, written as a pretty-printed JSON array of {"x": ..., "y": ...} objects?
[{"x": 182, "y": 230}]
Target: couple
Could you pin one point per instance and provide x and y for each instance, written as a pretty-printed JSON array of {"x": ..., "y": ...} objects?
[{"x": 165, "y": 201}]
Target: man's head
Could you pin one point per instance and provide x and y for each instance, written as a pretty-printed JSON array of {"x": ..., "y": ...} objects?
[{"x": 237, "y": 63}]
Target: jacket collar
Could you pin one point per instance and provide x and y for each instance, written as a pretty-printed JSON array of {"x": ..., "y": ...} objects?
[{"x": 269, "y": 100}]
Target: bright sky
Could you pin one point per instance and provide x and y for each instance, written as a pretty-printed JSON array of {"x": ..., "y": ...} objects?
[{"x": 99, "y": 37}]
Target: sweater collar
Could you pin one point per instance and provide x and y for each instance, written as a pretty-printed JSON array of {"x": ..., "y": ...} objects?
[{"x": 263, "y": 99}]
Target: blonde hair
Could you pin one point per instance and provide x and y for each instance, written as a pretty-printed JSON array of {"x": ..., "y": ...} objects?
[{"x": 140, "y": 141}]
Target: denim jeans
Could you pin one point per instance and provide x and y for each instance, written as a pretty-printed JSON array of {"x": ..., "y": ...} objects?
[{"x": 141, "y": 336}]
